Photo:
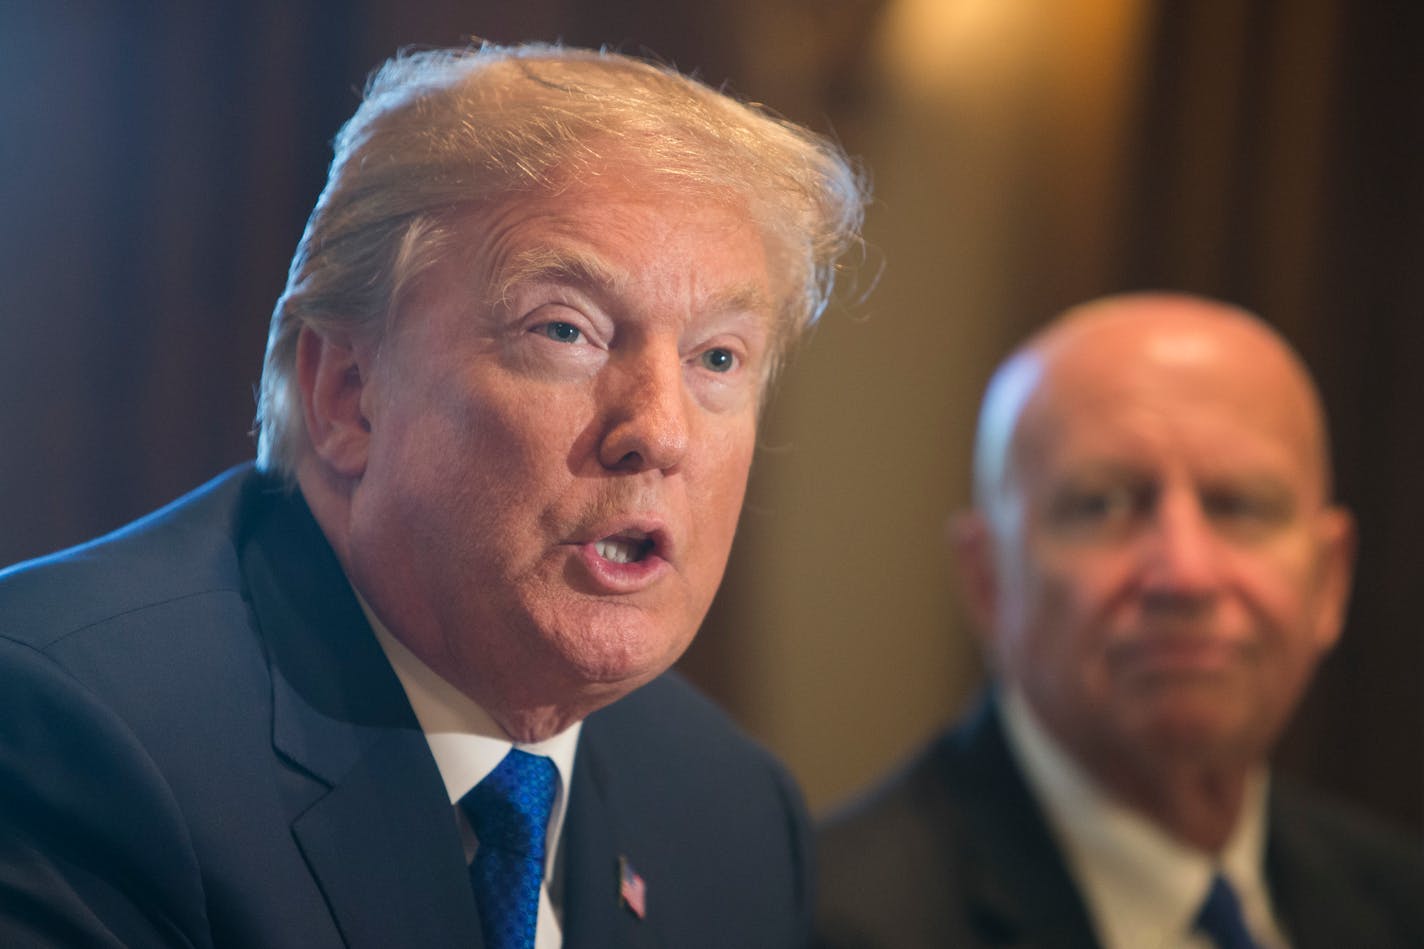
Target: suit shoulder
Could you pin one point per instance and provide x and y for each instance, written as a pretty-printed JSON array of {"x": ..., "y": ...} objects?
[
  {"x": 188, "y": 547},
  {"x": 915, "y": 796},
  {"x": 669, "y": 719},
  {"x": 1370, "y": 847},
  {"x": 887, "y": 861},
  {"x": 668, "y": 749},
  {"x": 1333, "y": 865},
  {"x": 903, "y": 820}
]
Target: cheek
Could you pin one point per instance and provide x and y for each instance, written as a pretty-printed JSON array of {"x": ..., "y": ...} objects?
[
  {"x": 1066, "y": 588},
  {"x": 1283, "y": 589},
  {"x": 721, "y": 461},
  {"x": 716, "y": 485},
  {"x": 1058, "y": 619},
  {"x": 463, "y": 462}
]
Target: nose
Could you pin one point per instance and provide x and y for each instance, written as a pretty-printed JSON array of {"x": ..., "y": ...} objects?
[
  {"x": 647, "y": 415},
  {"x": 1182, "y": 560}
]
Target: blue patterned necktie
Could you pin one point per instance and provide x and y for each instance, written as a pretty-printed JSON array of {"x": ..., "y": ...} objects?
[
  {"x": 509, "y": 811},
  {"x": 1220, "y": 917}
]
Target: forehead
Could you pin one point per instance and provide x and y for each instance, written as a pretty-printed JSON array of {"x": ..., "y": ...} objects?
[
  {"x": 1212, "y": 404},
  {"x": 623, "y": 235}
]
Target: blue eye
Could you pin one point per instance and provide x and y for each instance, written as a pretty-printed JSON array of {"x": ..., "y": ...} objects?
[
  {"x": 561, "y": 332},
  {"x": 719, "y": 360}
]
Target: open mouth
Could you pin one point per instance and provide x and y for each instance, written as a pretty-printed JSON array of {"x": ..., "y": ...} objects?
[{"x": 624, "y": 548}]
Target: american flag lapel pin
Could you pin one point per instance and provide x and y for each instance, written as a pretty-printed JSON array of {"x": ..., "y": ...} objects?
[{"x": 632, "y": 891}]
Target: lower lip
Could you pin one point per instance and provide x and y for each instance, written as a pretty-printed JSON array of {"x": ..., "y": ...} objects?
[{"x": 614, "y": 577}]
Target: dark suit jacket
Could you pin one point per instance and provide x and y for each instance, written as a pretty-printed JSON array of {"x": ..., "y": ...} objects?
[
  {"x": 202, "y": 744},
  {"x": 954, "y": 851}
]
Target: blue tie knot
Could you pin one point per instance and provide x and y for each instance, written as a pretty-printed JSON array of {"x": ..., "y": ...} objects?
[
  {"x": 1220, "y": 917},
  {"x": 509, "y": 809}
]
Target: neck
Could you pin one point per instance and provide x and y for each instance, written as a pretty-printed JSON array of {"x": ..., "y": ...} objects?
[
  {"x": 536, "y": 725},
  {"x": 1200, "y": 806}
]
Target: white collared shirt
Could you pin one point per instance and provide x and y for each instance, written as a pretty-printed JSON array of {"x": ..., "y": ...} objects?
[
  {"x": 467, "y": 745},
  {"x": 1143, "y": 888}
]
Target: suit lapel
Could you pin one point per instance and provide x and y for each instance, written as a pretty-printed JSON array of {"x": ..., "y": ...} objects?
[
  {"x": 1017, "y": 889},
  {"x": 1318, "y": 902},
  {"x": 392, "y": 873},
  {"x": 595, "y": 916},
  {"x": 369, "y": 810}
]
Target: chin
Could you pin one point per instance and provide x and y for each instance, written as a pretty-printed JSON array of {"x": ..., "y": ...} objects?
[
  {"x": 569, "y": 678},
  {"x": 1198, "y": 729},
  {"x": 619, "y": 652}
]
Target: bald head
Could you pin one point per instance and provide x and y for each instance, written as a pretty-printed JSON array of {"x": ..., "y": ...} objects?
[
  {"x": 1154, "y": 559},
  {"x": 1107, "y": 350}
]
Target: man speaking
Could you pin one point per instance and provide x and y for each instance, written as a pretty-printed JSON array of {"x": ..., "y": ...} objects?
[{"x": 402, "y": 682}]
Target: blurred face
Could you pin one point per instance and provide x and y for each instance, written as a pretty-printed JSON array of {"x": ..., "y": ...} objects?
[
  {"x": 561, "y": 426},
  {"x": 1167, "y": 570}
]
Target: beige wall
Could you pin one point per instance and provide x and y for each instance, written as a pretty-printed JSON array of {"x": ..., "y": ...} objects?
[{"x": 839, "y": 608}]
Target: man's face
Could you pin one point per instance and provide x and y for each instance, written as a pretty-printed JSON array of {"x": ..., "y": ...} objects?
[
  {"x": 562, "y": 419},
  {"x": 1168, "y": 570}
]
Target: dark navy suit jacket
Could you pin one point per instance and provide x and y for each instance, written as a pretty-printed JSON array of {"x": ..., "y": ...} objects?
[
  {"x": 202, "y": 744},
  {"x": 954, "y": 851}
]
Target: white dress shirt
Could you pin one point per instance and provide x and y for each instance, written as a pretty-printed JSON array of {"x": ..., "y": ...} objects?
[
  {"x": 467, "y": 745},
  {"x": 1143, "y": 888}
]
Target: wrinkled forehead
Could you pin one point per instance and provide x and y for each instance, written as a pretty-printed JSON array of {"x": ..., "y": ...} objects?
[
  {"x": 1219, "y": 393},
  {"x": 554, "y": 232}
]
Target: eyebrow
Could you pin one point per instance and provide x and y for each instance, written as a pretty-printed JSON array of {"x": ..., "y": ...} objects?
[
  {"x": 547, "y": 265},
  {"x": 590, "y": 271}
]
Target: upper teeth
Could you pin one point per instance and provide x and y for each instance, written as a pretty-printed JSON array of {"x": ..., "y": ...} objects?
[{"x": 618, "y": 551}]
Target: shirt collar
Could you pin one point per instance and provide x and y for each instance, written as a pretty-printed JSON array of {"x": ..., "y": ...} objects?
[
  {"x": 466, "y": 742},
  {"x": 1143, "y": 887}
]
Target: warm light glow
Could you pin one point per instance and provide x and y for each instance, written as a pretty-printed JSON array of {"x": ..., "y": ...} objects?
[{"x": 934, "y": 47}]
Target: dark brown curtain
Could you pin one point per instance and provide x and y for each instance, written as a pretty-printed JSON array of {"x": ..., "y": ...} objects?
[{"x": 156, "y": 166}]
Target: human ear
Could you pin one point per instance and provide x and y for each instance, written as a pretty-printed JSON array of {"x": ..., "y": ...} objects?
[
  {"x": 1337, "y": 543},
  {"x": 332, "y": 376},
  {"x": 976, "y": 568}
]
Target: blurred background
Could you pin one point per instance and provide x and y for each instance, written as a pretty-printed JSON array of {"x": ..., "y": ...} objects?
[{"x": 158, "y": 160}]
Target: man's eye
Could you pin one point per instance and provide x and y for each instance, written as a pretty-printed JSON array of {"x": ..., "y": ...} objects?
[
  {"x": 1227, "y": 506},
  {"x": 719, "y": 360},
  {"x": 1099, "y": 509},
  {"x": 1246, "y": 511},
  {"x": 560, "y": 332}
]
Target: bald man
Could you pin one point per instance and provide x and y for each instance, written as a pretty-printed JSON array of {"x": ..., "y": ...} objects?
[{"x": 1156, "y": 567}]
